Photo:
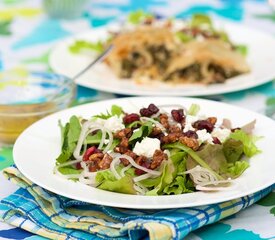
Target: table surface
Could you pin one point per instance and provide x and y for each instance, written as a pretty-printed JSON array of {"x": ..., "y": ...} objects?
[{"x": 29, "y": 47}]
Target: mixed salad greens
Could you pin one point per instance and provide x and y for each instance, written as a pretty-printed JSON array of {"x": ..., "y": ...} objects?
[{"x": 158, "y": 150}]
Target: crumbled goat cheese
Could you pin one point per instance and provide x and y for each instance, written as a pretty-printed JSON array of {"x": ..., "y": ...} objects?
[
  {"x": 221, "y": 134},
  {"x": 204, "y": 136},
  {"x": 112, "y": 124},
  {"x": 147, "y": 147},
  {"x": 189, "y": 120}
]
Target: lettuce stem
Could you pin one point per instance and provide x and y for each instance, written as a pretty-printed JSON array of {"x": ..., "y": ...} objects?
[{"x": 193, "y": 154}]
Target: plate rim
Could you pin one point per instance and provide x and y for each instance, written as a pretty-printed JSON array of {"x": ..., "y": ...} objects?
[{"x": 134, "y": 205}]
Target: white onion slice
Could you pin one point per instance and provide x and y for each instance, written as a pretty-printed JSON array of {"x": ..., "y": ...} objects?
[
  {"x": 141, "y": 190},
  {"x": 131, "y": 160},
  {"x": 107, "y": 148},
  {"x": 68, "y": 176},
  {"x": 142, "y": 177},
  {"x": 113, "y": 165},
  {"x": 157, "y": 124},
  {"x": 203, "y": 177},
  {"x": 123, "y": 170}
]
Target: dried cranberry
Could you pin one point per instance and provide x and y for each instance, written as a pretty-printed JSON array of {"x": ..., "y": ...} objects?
[
  {"x": 93, "y": 168},
  {"x": 191, "y": 134},
  {"x": 145, "y": 164},
  {"x": 129, "y": 118},
  {"x": 178, "y": 115},
  {"x": 148, "y": 112},
  {"x": 78, "y": 166},
  {"x": 204, "y": 124},
  {"x": 139, "y": 171},
  {"x": 216, "y": 140},
  {"x": 153, "y": 108},
  {"x": 89, "y": 152}
]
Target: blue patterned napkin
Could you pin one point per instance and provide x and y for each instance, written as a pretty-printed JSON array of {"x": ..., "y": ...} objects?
[{"x": 47, "y": 214}]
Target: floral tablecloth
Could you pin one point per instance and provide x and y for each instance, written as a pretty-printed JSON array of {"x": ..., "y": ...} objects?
[{"x": 27, "y": 36}]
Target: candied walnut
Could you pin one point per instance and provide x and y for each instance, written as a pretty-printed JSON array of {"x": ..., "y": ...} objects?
[
  {"x": 120, "y": 149},
  {"x": 155, "y": 132},
  {"x": 190, "y": 142},
  {"x": 191, "y": 134},
  {"x": 175, "y": 129},
  {"x": 105, "y": 162},
  {"x": 124, "y": 142},
  {"x": 96, "y": 157},
  {"x": 126, "y": 132},
  {"x": 93, "y": 166},
  {"x": 164, "y": 120},
  {"x": 171, "y": 138},
  {"x": 140, "y": 160},
  {"x": 212, "y": 120},
  {"x": 144, "y": 162},
  {"x": 129, "y": 153},
  {"x": 124, "y": 161},
  {"x": 158, "y": 157}
]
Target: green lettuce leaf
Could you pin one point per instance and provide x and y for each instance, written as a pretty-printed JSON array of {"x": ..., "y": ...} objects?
[
  {"x": 179, "y": 186},
  {"x": 236, "y": 169},
  {"x": 101, "y": 176},
  {"x": 213, "y": 156},
  {"x": 123, "y": 185},
  {"x": 194, "y": 109},
  {"x": 233, "y": 150},
  {"x": 107, "y": 181},
  {"x": 248, "y": 141},
  {"x": 199, "y": 20},
  {"x": 242, "y": 49},
  {"x": 134, "y": 124},
  {"x": 193, "y": 155},
  {"x": 81, "y": 45},
  {"x": 69, "y": 170},
  {"x": 137, "y": 17},
  {"x": 94, "y": 139},
  {"x": 115, "y": 111},
  {"x": 142, "y": 132},
  {"x": 183, "y": 37},
  {"x": 165, "y": 179},
  {"x": 70, "y": 134}
]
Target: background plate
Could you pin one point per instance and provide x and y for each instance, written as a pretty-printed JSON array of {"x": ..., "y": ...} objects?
[
  {"x": 261, "y": 58},
  {"x": 36, "y": 149}
]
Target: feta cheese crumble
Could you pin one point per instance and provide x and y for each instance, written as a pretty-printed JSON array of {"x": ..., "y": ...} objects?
[
  {"x": 147, "y": 147},
  {"x": 204, "y": 136},
  {"x": 221, "y": 134},
  {"x": 112, "y": 124},
  {"x": 189, "y": 120}
]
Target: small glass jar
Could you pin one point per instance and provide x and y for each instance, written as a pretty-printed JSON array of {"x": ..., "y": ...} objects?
[{"x": 26, "y": 98}]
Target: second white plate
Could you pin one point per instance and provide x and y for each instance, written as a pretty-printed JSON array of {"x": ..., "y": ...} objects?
[{"x": 261, "y": 58}]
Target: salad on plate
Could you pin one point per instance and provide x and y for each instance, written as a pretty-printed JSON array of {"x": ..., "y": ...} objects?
[
  {"x": 155, "y": 150},
  {"x": 175, "y": 51}
]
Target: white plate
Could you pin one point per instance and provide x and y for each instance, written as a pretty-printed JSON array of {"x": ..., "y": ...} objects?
[
  {"x": 36, "y": 149},
  {"x": 261, "y": 59}
]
